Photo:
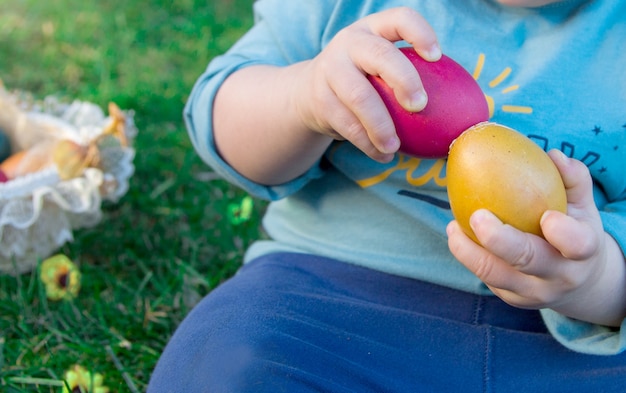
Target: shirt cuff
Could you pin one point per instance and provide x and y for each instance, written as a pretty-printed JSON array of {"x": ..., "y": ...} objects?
[{"x": 585, "y": 337}]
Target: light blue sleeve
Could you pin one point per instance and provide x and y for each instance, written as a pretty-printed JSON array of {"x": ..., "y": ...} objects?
[
  {"x": 270, "y": 41},
  {"x": 585, "y": 337}
]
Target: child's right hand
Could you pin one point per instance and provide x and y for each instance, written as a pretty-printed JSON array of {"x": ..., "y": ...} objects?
[
  {"x": 335, "y": 97},
  {"x": 292, "y": 113}
]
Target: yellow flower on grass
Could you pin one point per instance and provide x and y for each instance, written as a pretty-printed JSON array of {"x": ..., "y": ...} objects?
[
  {"x": 61, "y": 277},
  {"x": 79, "y": 380}
]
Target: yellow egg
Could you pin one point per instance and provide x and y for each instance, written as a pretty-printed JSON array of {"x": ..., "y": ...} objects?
[
  {"x": 494, "y": 167},
  {"x": 72, "y": 158}
]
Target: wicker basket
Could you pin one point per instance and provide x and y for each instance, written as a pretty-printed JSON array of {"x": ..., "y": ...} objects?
[{"x": 40, "y": 209}]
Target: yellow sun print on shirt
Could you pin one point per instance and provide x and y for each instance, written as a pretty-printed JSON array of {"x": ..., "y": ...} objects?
[{"x": 496, "y": 82}]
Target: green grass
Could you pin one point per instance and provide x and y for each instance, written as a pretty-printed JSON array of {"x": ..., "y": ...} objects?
[{"x": 168, "y": 241}]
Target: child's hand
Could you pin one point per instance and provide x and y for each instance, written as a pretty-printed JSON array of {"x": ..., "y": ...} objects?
[
  {"x": 578, "y": 270},
  {"x": 336, "y": 99}
]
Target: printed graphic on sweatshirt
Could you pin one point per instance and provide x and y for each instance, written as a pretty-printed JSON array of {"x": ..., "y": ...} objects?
[
  {"x": 496, "y": 83},
  {"x": 498, "y": 90}
]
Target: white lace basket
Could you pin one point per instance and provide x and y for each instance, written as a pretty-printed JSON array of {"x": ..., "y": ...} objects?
[{"x": 39, "y": 211}]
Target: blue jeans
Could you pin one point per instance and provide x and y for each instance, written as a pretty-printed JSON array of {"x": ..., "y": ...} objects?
[{"x": 302, "y": 323}]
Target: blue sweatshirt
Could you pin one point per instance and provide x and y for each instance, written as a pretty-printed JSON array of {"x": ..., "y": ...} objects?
[{"x": 556, "y": 74}]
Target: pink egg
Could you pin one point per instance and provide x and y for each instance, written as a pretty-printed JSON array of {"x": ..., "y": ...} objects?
[{"x": 455, "y": 103}]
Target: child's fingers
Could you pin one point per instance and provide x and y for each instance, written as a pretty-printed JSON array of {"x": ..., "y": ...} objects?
[
  {"x": 526, "y": 253},
  {"x": 410, "y": 26},
  {"x": 367, "y": 48},
  {"x": 519, "y": 280},
  {"x": 576, "y": 235},
  {"x": 575, "y": 240},
  {"x": 491, "y": 270},
  {"x": 371, "y": 119},
  {"x": 576, "y": 179},
  {"x": 382, "y": 58}
]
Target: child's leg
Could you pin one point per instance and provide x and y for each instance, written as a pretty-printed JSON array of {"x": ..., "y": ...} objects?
[{"x": 299, "y": 323}]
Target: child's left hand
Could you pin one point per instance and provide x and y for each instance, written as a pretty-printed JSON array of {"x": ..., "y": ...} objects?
[{"x": 578, "y": 270}]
